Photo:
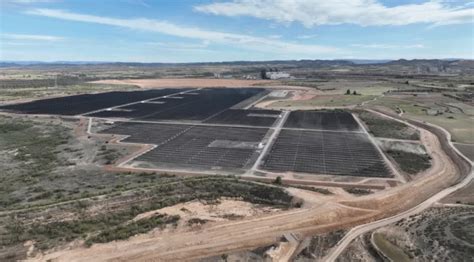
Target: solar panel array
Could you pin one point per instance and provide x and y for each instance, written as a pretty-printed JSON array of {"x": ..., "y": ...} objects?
[
  {"x": 322, "y": 142},
  {"x": 80, "y": 104},
  {"x": 322, "y": 120},
  {"x": 246, "y": 117},
  {"x": 194, "y": 106},
  {"x": 325, "y": 152},
  {"x": 190, "y": 146}
]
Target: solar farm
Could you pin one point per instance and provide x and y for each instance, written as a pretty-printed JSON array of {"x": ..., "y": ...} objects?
[{"x": 217, "y": 130}]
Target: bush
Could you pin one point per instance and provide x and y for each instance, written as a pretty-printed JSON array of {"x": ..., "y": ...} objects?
[{"x": 277, "y": 180}]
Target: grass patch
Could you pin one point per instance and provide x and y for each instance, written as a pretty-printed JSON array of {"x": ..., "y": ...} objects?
[
  {"x": 388, "y": 128},
  {"x": 409, "y": 162}
]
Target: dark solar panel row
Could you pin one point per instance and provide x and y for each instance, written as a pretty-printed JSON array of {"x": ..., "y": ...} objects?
[
  {"x": 325, "y": 152},
  {"x": 322, "y": 120},
  {"x": 246, "y": 117},
  {"x": 197, "y": 106},
  {"x": 80, "y": 104},
  {"x": 188, "y": 146}
]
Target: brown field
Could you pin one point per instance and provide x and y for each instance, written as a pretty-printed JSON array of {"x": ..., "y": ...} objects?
[{"x": 187, "y": 82}]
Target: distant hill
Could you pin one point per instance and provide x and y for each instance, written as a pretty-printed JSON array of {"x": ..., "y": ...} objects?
[{"x": 401, "y": 66}]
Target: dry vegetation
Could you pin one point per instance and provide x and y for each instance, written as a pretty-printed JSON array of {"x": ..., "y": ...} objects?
[
  {"x": 387, "y": 128},
  {"x": 53, "y": 193}
]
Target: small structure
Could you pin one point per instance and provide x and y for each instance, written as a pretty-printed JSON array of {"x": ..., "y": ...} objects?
[{"x": 276, "y": 75}]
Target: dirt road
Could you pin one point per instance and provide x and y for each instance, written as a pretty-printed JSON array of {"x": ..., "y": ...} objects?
[
  {"x": 216, "y": 238},
  {"x": 437, "y": 168}
]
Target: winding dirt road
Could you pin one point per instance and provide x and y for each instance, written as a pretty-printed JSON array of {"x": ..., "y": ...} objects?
[
  {"x": 359, "y": 230},
  {"x": 320, "y": 215}
]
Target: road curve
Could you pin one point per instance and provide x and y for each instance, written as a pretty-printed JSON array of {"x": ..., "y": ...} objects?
[{"x": 361, "y": 229}]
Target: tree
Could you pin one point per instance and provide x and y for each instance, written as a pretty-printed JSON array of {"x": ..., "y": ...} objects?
[
  {"x": 277, "y": 180},
  {"x": 348, "y": 92},
  {"x": 263, "y": 74},
  {"x": 354, "y": 93}
]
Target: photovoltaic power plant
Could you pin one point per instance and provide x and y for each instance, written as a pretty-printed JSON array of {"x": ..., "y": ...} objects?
[
  {"x": 325, "y": 152},
  {"x": 197, "y": 147},
  {"x": 322, "y": 120},
  {"x": 217, "y": 129},
  {"x": 197, "y": 105},
  {"x": 80, "y": 104}
]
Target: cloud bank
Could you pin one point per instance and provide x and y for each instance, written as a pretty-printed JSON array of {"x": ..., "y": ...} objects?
[
  {"x": 164, "y": 27},
  {"x": 334, "y": 12}
]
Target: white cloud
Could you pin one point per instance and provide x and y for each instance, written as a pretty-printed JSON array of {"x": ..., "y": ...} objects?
[
  {"x": 164, "y": 27},
  {"x": 199, "y": 47},
  {"x": 274, "y": 36},
  {"x": 30, "y": 1},
  {"x": 333, "y": 12},
  {"x": 306, "y": 36},
  {"x": 387, "y": 46},
  {"x": 32, "y": 37}
]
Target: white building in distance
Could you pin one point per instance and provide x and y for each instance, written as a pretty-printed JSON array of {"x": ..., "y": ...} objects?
[{"x": 277, "y": 75}]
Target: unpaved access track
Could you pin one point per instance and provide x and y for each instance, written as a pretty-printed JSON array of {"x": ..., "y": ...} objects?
[
  {"x": 437, "y": 168},
  {"x": 447, "y": 171}
]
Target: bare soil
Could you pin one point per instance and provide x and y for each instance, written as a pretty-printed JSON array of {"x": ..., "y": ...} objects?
[
  {"x": 221, "y": 210},
  {"x": 187, "y": 82}
]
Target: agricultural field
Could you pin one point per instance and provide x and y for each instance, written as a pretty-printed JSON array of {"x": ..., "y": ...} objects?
[{"x": 433, "y": 108}]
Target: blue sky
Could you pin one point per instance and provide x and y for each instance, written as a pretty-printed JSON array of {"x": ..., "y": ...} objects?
[{"x": 231, "y": 30}]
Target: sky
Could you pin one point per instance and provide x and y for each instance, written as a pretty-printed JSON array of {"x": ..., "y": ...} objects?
[{"x": 234, "y": 30}]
